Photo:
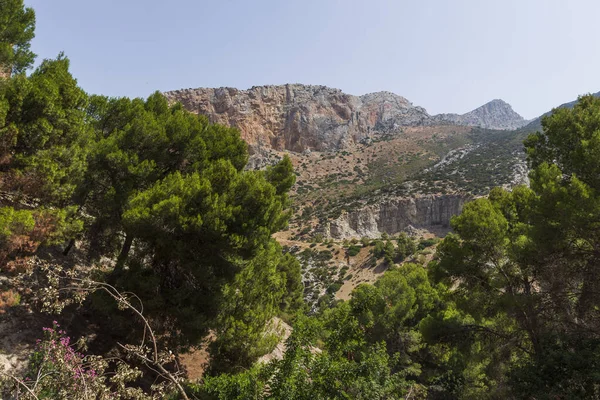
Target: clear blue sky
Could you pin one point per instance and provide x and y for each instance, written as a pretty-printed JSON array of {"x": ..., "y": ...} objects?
[{"x": 444, "y": 55}]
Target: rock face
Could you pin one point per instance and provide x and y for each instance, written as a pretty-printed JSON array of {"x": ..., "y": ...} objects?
[
  {"x": 398, "y": 215},
  {"x": 497, "y": 114},
  {"x": 302, "y": 117}
]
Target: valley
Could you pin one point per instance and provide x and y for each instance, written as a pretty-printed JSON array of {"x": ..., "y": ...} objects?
[
  {"x": 366, "y": 167},
  {"x": 352, "y": 152},
  {"x": 295, "y": 241}
]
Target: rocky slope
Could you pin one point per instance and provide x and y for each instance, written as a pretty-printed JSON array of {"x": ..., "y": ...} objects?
[
  {"x": 497, "y": 114},
  {"x": 432, "y": 213},
  {"x": 303, "y": 117}
]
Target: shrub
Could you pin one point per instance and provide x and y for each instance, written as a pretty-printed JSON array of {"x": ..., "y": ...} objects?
[
  {"x": 424, "y": 243},
  {"x": 8, "y": 299},
  {"x": 57, "y": 371},
  {"x": 353, "y": 250},
  {"x": 333, "y": 288}
]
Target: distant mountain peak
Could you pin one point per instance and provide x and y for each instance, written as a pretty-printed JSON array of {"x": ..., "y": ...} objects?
[
  {"x": 498, "y": 102},
  {"x": 495, "y": 114}
]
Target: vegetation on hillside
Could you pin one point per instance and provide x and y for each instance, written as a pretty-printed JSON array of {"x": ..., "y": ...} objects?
[{"x": 137, "y": 224}]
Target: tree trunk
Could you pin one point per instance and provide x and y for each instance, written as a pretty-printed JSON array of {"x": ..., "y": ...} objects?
[
  {"x": 69, "y": 247},
  {"x": 122, "y": 259},
  {"x": 72, "y": 241}
]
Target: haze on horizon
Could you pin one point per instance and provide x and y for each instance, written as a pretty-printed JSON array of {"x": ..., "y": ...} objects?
[{"x": 444, "y": 56}]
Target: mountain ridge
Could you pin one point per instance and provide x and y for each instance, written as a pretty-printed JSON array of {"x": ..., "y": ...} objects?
[
  {"x": 298, "y": 117},
  {"x": 536, "y": 123}
]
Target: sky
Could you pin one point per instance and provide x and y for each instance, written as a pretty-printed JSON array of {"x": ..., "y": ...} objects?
[{"x": 444, "y": 55}]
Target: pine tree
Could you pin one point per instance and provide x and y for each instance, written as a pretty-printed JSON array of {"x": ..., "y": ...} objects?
[{"x": 17, "y": 29}]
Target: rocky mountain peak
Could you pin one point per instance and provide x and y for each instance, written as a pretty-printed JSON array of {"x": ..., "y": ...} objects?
[
  {"x": 496, "y": 114},
  {"x": 496, "y": 107},
  {"x": 497, "y": 103},
  {"x": 385, "y": 96}
]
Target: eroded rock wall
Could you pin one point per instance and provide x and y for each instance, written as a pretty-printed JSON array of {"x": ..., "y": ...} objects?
[
  {"x": 398, "y": 215},
  {"x": 299, "y": 117}
]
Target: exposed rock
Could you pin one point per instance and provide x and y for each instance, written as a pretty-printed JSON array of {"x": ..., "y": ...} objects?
[
  {"x": 398, "y": 215},
  {"x": 497, "y": 114},
  {"x": 301, "y": 117}
]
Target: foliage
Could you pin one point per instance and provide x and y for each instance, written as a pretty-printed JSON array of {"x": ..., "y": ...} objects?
[
  {"x": 522, "y": 261},
  {"x": 305, "y": 373},
  {"x": 406, "y": 246},
  {"x": 23, "y": 231},
  {"x": 353, "y": 250},
  {"x": 44, "y": 136},
  {"x": 57, "y": 371},
  {"x": 194, "y": 227},
  {"x": 507, "y": 309},
  {"x": 8, "y": 299},
  {"x": 290, "y": 271},
  {"x": 17, "y": 27}
]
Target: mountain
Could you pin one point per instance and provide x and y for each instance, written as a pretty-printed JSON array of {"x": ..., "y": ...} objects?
[
  {"x": 299, "y": 117},
  {"x": 373, "y": 163},
  {"x": 497, "y": 114}
]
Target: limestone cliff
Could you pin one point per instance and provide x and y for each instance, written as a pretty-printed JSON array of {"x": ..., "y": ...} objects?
[
  {"x": 300, "y": 117},
  {"x": 303, "y": 117},
  {"x": 392, "y": 216}
]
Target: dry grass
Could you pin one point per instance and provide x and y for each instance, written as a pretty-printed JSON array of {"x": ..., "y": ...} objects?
[{"x": 8, "y": 299}]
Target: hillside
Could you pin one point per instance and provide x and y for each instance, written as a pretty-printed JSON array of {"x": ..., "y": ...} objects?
[
  {"x": 536, "y": 123},
  {"x": 358, "y": 159},
  {"x": 294, "y": 241}
]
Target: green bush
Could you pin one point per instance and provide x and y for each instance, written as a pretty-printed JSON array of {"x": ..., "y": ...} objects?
[
  {"x": 424, "y": 243},
  {"x": 333, "y": 288},
  {"x": 353, "y": 250}
]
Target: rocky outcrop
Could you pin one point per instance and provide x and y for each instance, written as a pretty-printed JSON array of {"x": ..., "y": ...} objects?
[
  {"x": 303, "y": 117},
  {"x": 497, "y": 114},
  {"x": 300, "y": 117},
  {"x": 398, "y": 215}
]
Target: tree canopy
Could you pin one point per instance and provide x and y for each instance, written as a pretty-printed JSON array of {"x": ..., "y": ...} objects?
[
  {"x": 17, "y": 29},
  {"x": 530, "y": 256}
]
